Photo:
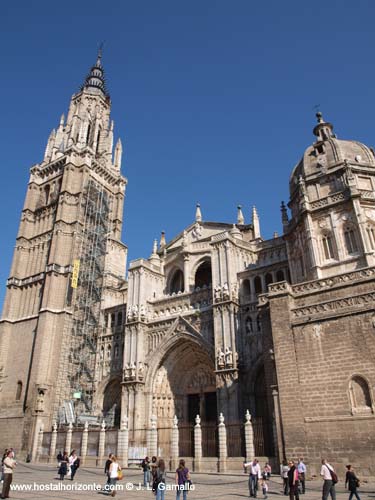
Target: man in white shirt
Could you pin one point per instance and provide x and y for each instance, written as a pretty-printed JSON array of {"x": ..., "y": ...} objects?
[
  {"x": 328, "y": 484},
  {"x": 255, "y": 474},
  {"x": 301, "y": 474}
]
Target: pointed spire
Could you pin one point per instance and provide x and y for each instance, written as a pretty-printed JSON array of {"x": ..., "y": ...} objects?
[
  {"x": 162, "y": 242},
  {"x": 255, "y": 222},
  {"x": 50, "y": 144},
  {"x": 154, "y": 257},
  {"x": 284, "y": 214},
  {"x": 62, "y": 120},
  {"x": 118, "y": 154},
  {"x": 240, "y": 217},
  {"x": 95, "y": 80},
  {"x": 198, "y": 213}
]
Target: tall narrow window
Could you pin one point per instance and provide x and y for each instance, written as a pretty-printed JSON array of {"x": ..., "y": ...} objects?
[
  {"x": 19, "y": 390},
  {"x": 98, "y": 141},
  {"x": 371, "y": 237},
  {"x": 328, "y": 247},
  {"x": 360, "y": 395},
  {"x": 350, "y": 241},
  {"x": 46, "y": 193},
  {"x": 88, "y": 133}
]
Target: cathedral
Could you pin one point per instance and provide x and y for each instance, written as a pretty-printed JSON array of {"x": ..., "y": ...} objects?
[{"x": 217, "y": 323}]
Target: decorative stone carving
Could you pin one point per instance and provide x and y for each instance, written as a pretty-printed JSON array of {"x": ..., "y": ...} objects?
[
  {"x": 220, "y": 359},
  {"x": 228, "y": 357}
]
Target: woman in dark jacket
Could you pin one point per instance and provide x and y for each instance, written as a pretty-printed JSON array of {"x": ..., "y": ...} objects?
[
  {"x": 352, "y": 481},
  {"x": 63, "y": 469}
]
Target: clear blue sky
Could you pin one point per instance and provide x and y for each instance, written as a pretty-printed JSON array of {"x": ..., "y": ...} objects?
[{"x": 213, "y": 99}]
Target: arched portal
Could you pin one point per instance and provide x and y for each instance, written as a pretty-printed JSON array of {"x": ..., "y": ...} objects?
[
  {"x": 184, "y": 385},
  {"x": 112, "y": 403}
]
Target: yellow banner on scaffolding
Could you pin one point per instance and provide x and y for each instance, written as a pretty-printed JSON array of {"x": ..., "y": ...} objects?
[{"x": 75, "y": 273}]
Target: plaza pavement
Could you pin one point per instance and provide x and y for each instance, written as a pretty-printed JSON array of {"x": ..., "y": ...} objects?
[{"x": 207, "y": 486}]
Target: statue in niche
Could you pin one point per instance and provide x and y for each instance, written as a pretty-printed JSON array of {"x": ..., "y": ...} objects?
[
  {"x": 226, "y": 295},
  {"x": 228, "y": 357},
  {"x": 220, "y": 358},
  {"x": 133, "y": 370},
  {"x": 217, "y": 293},
  {"x": 140, "y": 370},
  {"x": 249, "y": 325},
  {"x": 40, "y": 401}
]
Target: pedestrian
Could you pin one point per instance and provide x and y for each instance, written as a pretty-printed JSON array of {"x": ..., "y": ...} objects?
[
  {"x": 9, "y": 465},
  {"x": 59, "y": 457},
  {"x": 255, "y": 475},
  {"x": 301, "y": 475},
  {"x": 183, "y": 480},
  {"x": 352, "y": 481},
  {"x": 153, "y": 467},
  {"x": 330, "y": 478},
  {"x": 160, "y": 479},
  {"x": 63, "y": 468},
  {"x": 74, "y": 463},
  {"x": 146, "y": 471},
  {"x": 293, "y": 481},
  {"x": 264, "y": 486},
  {"x": 284, "y": 469},
  {"x": 114, "y": 470},
  {"x": 267, "y": 470},
  {"x": 106, "y": 471},
  {"x": 2, "y": 464}
]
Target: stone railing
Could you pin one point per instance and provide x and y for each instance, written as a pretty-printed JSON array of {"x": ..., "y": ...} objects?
[
  {"x": 175, "y": 304},
  {"x": 328, "y": 200},
  {"x": 328, "y": 283}
]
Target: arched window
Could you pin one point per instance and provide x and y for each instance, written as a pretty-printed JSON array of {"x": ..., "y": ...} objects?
[
  {"x": 280, "y": 275},
  {"x": 268, "y": 279},
  {"x": 19, "y": 390},
  {"x": 350, "y": 241},
  {"x": 258, "y": 284},
  {"x": 177, "y": 282},
  {"x": 327, "y": 244},
  {"x": 360, "y": 396},
  {"x": 46, "y": 193},
  {"x": 246, "y": 290},
  {"x": 203, "y": 276}
]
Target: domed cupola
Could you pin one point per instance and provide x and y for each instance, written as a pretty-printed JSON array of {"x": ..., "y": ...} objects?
[
  {"x": 332, "y": 204},
  {"x": 328, "y": 153}
]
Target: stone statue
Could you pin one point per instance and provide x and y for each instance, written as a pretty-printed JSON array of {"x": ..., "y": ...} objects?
[
  {"x": 133, "y": 370},
  {"x": 40, "y": 401},
  {"x": 197, "y": 420},
  {"x": 217, "y": 293},
  {"x": 226, "y": 295},
  {"x": 228, "y": 357},
  {"x": 220, "y": 358},
  {"x": 140, "y": 370}
]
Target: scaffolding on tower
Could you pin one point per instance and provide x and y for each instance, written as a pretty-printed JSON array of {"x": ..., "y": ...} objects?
[{"x": 86, "y": 286}]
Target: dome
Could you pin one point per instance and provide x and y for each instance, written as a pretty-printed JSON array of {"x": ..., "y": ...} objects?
[{"x": 329, "y": 152}]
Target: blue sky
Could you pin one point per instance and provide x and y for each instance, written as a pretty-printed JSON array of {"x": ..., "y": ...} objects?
[{"x": 213, "y": 100}]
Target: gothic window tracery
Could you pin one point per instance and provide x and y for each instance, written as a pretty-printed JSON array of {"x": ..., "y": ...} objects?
[
  {"x": 327, "y": 244},
  {"x": 203, "y": 275},
  {"x": 371, "y": 236},
  {"x": 350, "y": 240}
]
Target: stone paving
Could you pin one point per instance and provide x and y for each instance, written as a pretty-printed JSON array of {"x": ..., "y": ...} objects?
[{"x": 207, "y": 486}]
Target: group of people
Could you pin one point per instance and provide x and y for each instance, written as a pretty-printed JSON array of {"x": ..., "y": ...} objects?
[
  {"x": 8, "y": 464},
  {"x": 68, "y": 464},
  {"x": 293, "y": 475},
  {"x": 113, "y": 471},
  {"x": 258, "y": 476},
  {"x": 154, "y": 474}
]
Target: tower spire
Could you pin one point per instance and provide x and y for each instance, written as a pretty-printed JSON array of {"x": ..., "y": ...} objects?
[
  {"x": 240, "y": 217},
  {"x": 95, "y": 80},
  {"x": 198, "y": 213}
]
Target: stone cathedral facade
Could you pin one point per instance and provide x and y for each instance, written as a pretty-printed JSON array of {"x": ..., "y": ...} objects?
[{"x": 216, "y": 320}]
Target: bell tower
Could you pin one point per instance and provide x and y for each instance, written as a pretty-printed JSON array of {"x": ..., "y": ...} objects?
[{"x": 68, "y": 251}]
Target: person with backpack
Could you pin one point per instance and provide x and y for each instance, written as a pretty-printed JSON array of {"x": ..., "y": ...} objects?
[
  {"x": 330, "y": 479},
  {"x": 183, "y": 480},
  {"x": 352, "y": 481}
]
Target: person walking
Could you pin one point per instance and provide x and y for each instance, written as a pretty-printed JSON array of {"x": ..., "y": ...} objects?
[
  {"x": 264, "y": 486},
  {"x": 74, "y": 463},
  {"x": 114, "y": 469},
  {"x": 293, "y": 481},
  {"x": 153, "y": 467},
  {"x": 329, "y": 478},
  {"x": 182, "y": 480},
  {"x": 352, "y": 481},
  {"x": 284, "y": 469},
  {"x": 63, "y": 468},
  {"x": 255, "y": 475},
  {"x": 146, "y": 471},
  {"x": 2, "y": 464},
  {"x": 106, "y": 471},
  {"x": 9, "y": 465},
  {"x": 160, "y": 478},
  {"x": 267, "y": 471},
  {"x": 301, "y": 475}
]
